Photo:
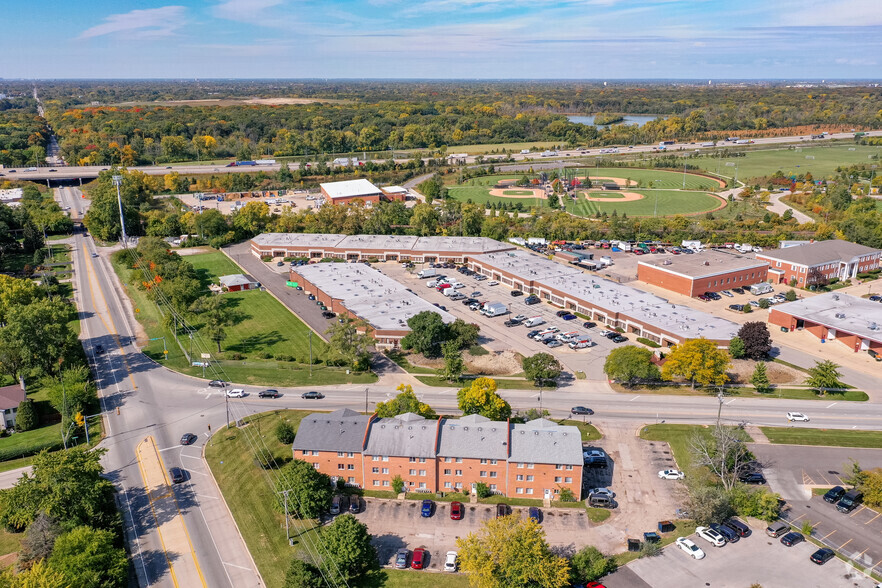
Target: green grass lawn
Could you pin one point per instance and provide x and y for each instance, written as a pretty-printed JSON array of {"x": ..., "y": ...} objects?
[
  {"x": 678, "y": 437},
  {"x": 266, "y": 326},
  {"x": 501, "y": 384},
  {"x": 788, "y": 393},
  {"x": 792, "y": 161},
  {"x": 640, "y": 178},
  {"x": 608, "y": 195},
  {"x": 10, "y": 542},
  {"x": 589, "y": 431},
  {"x": 535, "y": 146},
  {"x": 831, "y": 437},
  {"x": 670, "y": 202},
  {"x": 517, "y": 192}
]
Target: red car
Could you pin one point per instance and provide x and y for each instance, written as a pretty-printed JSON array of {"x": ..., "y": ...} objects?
[
  {"x": 594, "y": 585},
  {"x": 456, "y": 510},
  {"x": 419, "y": 558}
]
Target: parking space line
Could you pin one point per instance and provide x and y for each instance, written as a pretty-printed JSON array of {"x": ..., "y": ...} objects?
[
  {"x": 807, "y": 479},
  {"x": 874, "y": 518},
  {"x": 799, "y": 517},
  {"x": 858, "y": 510},
  {"x": 828, "y": 534},
  {"x": 826, "y": 481},
  {"x": 844, "y": 544},
  {"x": 858, "y": 556}
]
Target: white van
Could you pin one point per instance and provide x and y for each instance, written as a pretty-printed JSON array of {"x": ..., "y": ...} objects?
[
  {"x": 567, "y": 337},
  {"x": 534, "y": 321},
  {"x": 548, "y": 331},
  {"x": 761, "y": 288},
  {"x": 432, "y": 284},
  {"x": 581, "y": 343}
]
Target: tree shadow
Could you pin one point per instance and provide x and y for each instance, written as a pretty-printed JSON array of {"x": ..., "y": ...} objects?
[
  {"x": 387, "y": 546},
  {"x": 257, "y": 342}
]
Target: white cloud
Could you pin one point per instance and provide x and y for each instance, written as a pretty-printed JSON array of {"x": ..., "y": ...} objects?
[
  {"x": 151, "y": 23},
  {"x": 252, "y": 11},
  {"x": 837, "y": 13}
]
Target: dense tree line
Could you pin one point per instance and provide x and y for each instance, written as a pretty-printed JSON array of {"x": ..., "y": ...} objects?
[
  {"x": 22, "y": 228},
  {"x": 23, "y": 134},
  {"x": 375, "y": 116}
]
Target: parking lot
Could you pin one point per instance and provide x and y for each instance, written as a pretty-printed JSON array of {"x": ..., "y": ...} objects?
[
  {"x": 495, "y": 335},
  {"x": 757, "y": 559}
]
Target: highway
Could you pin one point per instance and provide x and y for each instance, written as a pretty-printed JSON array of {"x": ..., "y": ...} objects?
[
  {"x": 44, "y": 173},
  {"x": 142, "y": 400}
]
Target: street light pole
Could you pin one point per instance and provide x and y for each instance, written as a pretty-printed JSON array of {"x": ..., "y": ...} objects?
[{"x": 117, "y": 181}]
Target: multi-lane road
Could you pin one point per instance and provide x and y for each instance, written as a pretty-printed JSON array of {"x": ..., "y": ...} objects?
[
  {"x": 142, "y": 400},
  {"x": 44, "y": 173}
]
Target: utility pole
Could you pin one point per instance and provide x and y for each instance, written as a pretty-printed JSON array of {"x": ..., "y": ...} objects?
[
  {"x": 365, "y": 400},
  {"x": 287, "y": 532},
  {"x": 226, "y": 405},
  {"x": 117, "y": 181},
  {"x": 720, "y": 408}
]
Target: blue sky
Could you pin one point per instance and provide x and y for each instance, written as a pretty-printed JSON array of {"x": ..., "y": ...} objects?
[{"x": 578, "y": 39}]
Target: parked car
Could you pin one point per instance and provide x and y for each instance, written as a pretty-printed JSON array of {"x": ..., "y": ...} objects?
[
  {"x": 711, "y": 536},
  {"x": 601, "y": 492},
  {"x": 730, "y": 535},
  {"x": 671, "y": 475},
  {"x": 611, "y": 335},
  {"x": 450, "y": 562},
  {"x": 188, "y": 439},
  {"x": 752, "y": 478},
  {"x": 336, "y": 504},
  {"x": 689, "y": 547},
  {"x": 737, "y": 526},
  {"x": 531, "y": 299},
  {"x": 581, "y": 410},
  {"x": 834, "y": 494},
  {"x": 561, "y": 313},
  {"x": 792, "y": 538},
  {"x": 727, "y": 293},
  {"x": 401, "y": 558},
  {"x": 456, "y": 511},
  {"x": 176, "y": 475},
  {"x": 419, "y": 558},
  {"x": 736, "y": 307},
  {"x": 535, "y": 515},
  {"x": 797, "y": 416},
  {"x": 823, "y": 555},
  {"x": 354, "y": 505},
  {"x": 328, "y": 314},
  {"x": 553, "y": 343},
  {"x": 427, "y": 508},
  {"x": 569, "y": 317},
  {"x": 516, "y": 293},
  {"x": 312, "y": 395},
  {"x": 777, "y": 529},
  {"x": 270, "y": 393},
  {"x": 492, "y": 283},
  {"x": 236, "y": 393},
  {"x": 738, "y": 290},
  {"x": 618, "y": 339},
  {"x": 589, "y": 325}
]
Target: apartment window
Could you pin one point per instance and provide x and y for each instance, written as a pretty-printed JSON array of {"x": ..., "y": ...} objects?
[
  {"x": 530, "y": 466},
  {"x": 422, "y": 484},
  {"x": 558, "y": 467},
  {"x": 458, "y": 472},
  {"x": 569, "y": 468},
  {"x": 340, "y": 454},
  {"x": 385, "y": 470},
  {"x": 315, "y": 465},
  {"x": 385, "y": 482},
  {"x": 529, "y": 478},
  {"x": 458, "y": 485},
  {"x": 483, "y": 462},
  {"x": 568, "y": 480},
  {"x": 483, "y": 474},
  {"x": 446, "y": 472},
  {"x": 350, "y": 454},
  {"x": 493, "y": 487},
  {"x": 448, "y": 460},
  {"x": 529, "y": 490},
  {"x": 350, "y": 466},
  {"x": 458, "y": 460},
  {"x": 351, "y": 480},
  {"x": 376, "y": 482},
  {"x": 519, "y": 478},
  {"x": 422, "y": 460},
  {"x": 519, "y": 490},
  {"x": 375, "y": 470},
  {"x": 448, "y": 485},
  {"x": 412, "y": 472},
  {"x": 341, "y": 466},
  {"x": 413, "y": 460},
  {"x": 422, "y": 472},
  {"x": 492, "y": 474},
  {"x": 385, "y": 458},
  {"x": 493, "y": 462},
  {"x": 375, "y": 457},
  {"x": 558, "y": 479},
  {"x": 520, "y": 465}
]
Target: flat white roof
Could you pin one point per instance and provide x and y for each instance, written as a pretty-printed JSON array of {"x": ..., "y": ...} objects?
[
  {"x": 298, "y": 239},
  {"x": 381, "y": 301},
  {"x": 703, "y": 264},
  {"x": 383, "y": 242},
  {"x": 11, "y": 194},
  {"x": 858, "y": 316},
  {"x": 649, "y": 309},
  {"x": 394, "y": 189},
  {"x": 464, "y": 244},
  {"x": 350, "y": 189}
]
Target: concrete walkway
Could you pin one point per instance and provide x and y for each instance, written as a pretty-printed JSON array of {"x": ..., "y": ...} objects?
[{"x": 780, "y": 207}]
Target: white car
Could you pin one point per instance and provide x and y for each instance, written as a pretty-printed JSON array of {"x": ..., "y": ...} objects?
[
  {"x": 727, "y": 293},
  {"x": 450, "y": 562},
  {"x": 492, "y": 283},
  {"x": 520, "y": 318},
  {"x": 604, "y": 333},
  {"x": 690, "y": 548},
  {"x": 671, "y": 475},
  {"x": 236, "y": 393},
  {"x": 797, "y": 416},
  {"x": 711, "y": 536}
]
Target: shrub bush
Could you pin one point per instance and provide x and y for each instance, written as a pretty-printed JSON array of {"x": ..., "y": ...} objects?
[
  {"x": 265, "y": 355},
  {"x": 284, "y": 357},
  {"x": 284, "y": 433},
  {"x": 648, "y": 342}
]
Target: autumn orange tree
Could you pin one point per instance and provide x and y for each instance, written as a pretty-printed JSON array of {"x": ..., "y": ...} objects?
[{"x": 699, "y": 361}]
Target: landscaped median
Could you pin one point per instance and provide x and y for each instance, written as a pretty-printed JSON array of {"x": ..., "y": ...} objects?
[
  {"x": 803, "y": 393},
  {"x": 822, "y": 437}
]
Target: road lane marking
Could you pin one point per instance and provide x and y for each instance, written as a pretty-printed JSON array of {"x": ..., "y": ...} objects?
[
  {"x": 168, "y": 448},
  {"x": 807, "y": 479},
  {"x": 831, "y": 405},
  {"x": 226, "y": 563},
  {"x": 730, "y": 402},
  {"x": 633, "y": 399},
  {"x": 828, "y": 534}
]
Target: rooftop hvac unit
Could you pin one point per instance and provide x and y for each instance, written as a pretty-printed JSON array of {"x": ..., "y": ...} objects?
[
  {"x": 840, "y": 315},
  {"x": 873, "y": 326}
]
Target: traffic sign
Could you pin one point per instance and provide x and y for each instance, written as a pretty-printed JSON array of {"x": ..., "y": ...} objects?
[{"x": 206, "y": 356}]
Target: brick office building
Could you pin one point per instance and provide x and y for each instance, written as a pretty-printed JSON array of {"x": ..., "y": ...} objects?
[
  {"x": 535, "y": 459},
  {"x": 819, "y": 262},
  {"x": 351, "y": 191},
  {"x": 707, "y": 271},
  {"x": 854, "y": 322}
]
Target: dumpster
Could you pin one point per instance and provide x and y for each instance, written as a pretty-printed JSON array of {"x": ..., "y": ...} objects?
[
  {"x": 665, "y": 526},
  {"x": 651, "y": 537},
  {"x": 633, "y": 544}
]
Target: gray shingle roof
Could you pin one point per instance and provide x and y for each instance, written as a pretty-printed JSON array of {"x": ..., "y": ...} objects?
[
  {"x": 818, "y": 252},
  {"x": 474, "y": 436},
  {"x": 341, "y": 430},
  {"x": 236, "y": 280},
  {"x": 11, "y": 396},
  {"x": 543, "y": 441},
  {"x": 406, "y": 435}
]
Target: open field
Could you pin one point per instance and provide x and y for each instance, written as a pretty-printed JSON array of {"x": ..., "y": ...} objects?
[
  {"x": 265, "y": 327},
  {"x": 670, "y": 202},
  {"x": 535, "y": 146},
  {"x": 791, "y": 161},
  {"x": 248, "y": 491},
  {"x": 678, "y": 437},
  {"x": 829, "y": 437},
  {"x": 641, "y": 178}
]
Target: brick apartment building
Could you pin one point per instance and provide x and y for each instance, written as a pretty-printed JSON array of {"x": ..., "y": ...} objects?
[
  {"x": 707, "y": 271},
  {"x": 818, "y": 262},
  {"x": 535, "y": 459}
]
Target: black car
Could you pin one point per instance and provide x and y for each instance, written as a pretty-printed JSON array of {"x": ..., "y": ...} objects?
[
  {"x": 727, "y": 533},
  {"x": 517, "y": 293},
  {"x": 312, "y": 395},
  {"x": 753, "y": 478},
  {"x": 311, "y": 297},
  {"x": 511, "y": 323},
  {"x": 328, "y": 314},
  {"x": 532, "y": 334},
  {"x": 619, "y": 339},
  {"x": 792, "y": 538},
  {"x": 530, "y": 300},
  {"x": 596, "y": 462},
  {"x": 737, "y": 307},
  {"x": 581, "y": 410},
  {"x": 823, "y": 555},
  {"x": 561, "y": 313},
  {"x": 834, "y": 494},
  {"x": 188, "y": 439},
  {"x": 611, "y": 335},
  {"x": 738, "y": 290},
  {"x": 176, "y": 474},
  {"x": 268, "y": 394},
  {"x": 589, "y": 325}
]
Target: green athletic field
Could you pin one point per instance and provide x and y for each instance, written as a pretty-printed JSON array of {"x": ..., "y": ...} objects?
[
  {"x": 792, "y": 161},
  {"x": 518, "y": 192},
  {"x": 665, "y": 180},
  {"x": 670, "y": 202}
]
